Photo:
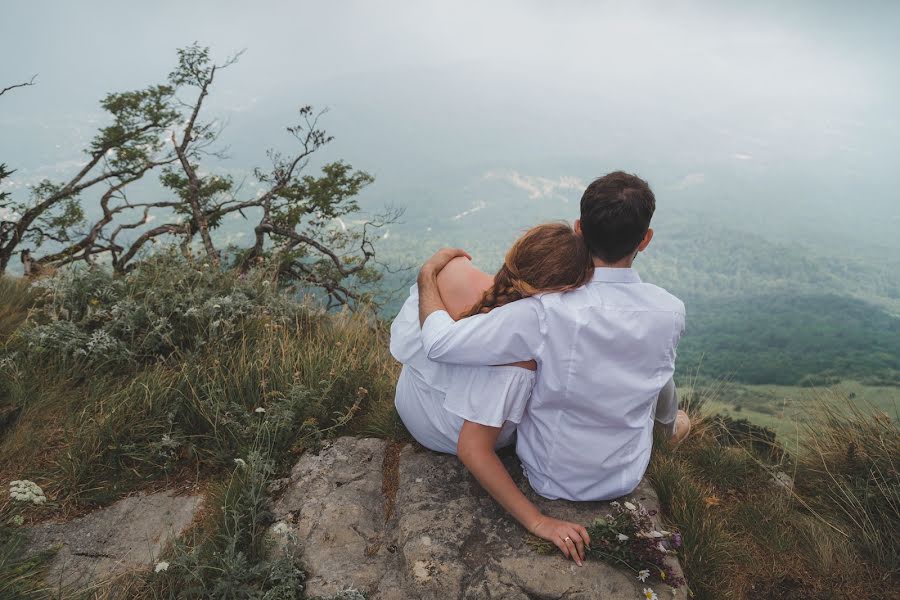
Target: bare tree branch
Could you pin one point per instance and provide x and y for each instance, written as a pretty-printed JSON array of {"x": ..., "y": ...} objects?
[{"x": 18, "y": 85}]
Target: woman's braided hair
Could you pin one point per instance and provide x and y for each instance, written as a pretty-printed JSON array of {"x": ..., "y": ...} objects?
[{"x": 549, "y": 258}]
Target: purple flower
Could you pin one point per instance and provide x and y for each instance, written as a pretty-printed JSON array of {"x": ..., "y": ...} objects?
[{"x": 676, "y": 540}]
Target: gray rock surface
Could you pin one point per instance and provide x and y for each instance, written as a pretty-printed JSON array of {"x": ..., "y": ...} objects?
[
  {"x": 126, "y": 535},
  {"x": 443, "y": 537}
]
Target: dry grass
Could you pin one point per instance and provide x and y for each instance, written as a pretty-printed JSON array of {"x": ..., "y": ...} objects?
[
  {"x": 15, "y": 301},
  {"x": 89, "y": 434},
  {"x": 746, "y": 537}
]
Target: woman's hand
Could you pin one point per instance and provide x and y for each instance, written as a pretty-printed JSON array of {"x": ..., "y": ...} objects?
[{"x": 570, "y": 538}]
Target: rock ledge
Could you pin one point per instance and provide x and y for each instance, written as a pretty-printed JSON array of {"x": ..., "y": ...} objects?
[{"x": 442, "y": 536}]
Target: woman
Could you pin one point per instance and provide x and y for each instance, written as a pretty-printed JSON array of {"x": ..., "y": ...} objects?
[{"x": 475, "y": 409}]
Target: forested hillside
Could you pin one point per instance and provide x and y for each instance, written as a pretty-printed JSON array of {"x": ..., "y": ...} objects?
[
  {"x": 809, "y": 340},
  {"x": 758, "y": 311}
]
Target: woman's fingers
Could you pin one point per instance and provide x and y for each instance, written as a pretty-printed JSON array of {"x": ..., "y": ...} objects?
[
  {"x": 584, "y": 535},
  {"x": 563, "y": 547},
  {"x": 570, "y": 538},
  {"x": 579, "y": 544},
  {"x": 573, "y": 551}
]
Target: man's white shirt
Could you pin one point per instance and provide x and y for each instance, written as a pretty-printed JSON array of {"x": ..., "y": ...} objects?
[{"x": 604, "y": 352}]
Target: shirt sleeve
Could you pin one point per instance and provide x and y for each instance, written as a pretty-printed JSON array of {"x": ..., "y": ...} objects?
[
  {"x": 507, "y": 334},
  {"x": 667, "y": 406}
]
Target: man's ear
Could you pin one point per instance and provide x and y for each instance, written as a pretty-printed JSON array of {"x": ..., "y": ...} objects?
[
  {"x": 646, "y": 241},
  {"x": 578, "y": 226}
]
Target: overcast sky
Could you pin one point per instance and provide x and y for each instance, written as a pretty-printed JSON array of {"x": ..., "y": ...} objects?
[{"x": 700, "y": 97}]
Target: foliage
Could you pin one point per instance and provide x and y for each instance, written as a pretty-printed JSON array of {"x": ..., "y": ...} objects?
[
  {"x": 233, "y": 403},
  {"x": 231, "y": 556},
  {"x": 162, "y": 129},
  {"x": 16, "y": 298},
  {"x": 233, "y": 411},
  {"x": 20, "y": 573},
  {"x": 809, "y": 340},
  {"x": 853, "y": 471},
  {"x": 750, "y": 532},
  {"x": 186, "y": 398},
  {"x": 166, "y": 305},
  {"x": 627, "y": 538}
]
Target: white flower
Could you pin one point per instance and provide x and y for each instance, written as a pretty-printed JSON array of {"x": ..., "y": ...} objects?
[
  {"x": 260, "y": 410},
  {"x": 26, "y": 491},
  {"x": 280, "y": 527},
  {"x": 622, "y": 537},
  {"x": 161, "y": 566},
  {"x": 655, "y": 534},
  {"x": 650, "y": 594},
  {"x": 630, "y": 506},
  {"x": 674, "y": 592},
  {"x": 642, "y": 575},
  {"x": 614, "y": 504},
  {"x": 240, "y": 462}
]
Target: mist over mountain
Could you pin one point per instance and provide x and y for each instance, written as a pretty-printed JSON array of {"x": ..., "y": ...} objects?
[{"x": 768, "y": 132}]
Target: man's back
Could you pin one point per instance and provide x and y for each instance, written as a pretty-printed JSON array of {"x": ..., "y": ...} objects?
[{"x": 604, "y": 352}]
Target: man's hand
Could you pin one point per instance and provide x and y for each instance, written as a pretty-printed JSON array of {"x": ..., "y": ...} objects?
[
  {"x": 439, "y": 260},
  {"x": 429, "y": 297},
  {"x": 570, "y": 538}
]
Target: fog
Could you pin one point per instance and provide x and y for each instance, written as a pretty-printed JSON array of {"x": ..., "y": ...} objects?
[{"x": 773, "y": 118}]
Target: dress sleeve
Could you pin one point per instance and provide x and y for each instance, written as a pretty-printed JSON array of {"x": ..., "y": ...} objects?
[
  {"x": 489, "y": 395},
  {"x": 508, "y": 334},
  {"x": 406, "y": 338}
]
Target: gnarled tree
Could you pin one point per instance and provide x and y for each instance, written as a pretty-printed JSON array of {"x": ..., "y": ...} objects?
[{"x": 296, "y": 217}]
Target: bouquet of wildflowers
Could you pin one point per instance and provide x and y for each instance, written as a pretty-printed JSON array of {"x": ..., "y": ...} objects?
[{"x": 627, "y": 538}]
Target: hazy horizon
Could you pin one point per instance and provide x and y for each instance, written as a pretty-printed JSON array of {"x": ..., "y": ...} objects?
[{"x": 777, "y": 120}]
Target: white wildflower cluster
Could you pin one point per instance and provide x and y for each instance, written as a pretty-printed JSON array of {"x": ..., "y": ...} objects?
[
  {"x": 101, "y": 342},
  {"x": 280, "y": 528},
  {"x": 167, "y": 446},
  {"x": 26, "y": 491},
  {"x": 8, "y": 362},
  {"x": 161, "y": 566}
]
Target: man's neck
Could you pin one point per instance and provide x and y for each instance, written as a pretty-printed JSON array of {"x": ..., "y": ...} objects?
[{"x": 625, "y": 263}]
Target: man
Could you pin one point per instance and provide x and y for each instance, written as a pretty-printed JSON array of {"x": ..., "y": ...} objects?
[{"x": 605, "y": 354}]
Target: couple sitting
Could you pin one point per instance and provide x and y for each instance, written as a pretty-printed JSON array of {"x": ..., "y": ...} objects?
[{"x": 564, "y": 345}]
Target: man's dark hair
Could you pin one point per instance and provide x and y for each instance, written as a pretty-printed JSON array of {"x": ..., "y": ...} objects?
[{"x": 615, "y": 214}]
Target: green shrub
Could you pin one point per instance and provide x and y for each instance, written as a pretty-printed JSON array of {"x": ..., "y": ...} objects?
[
  {"x": 243, "y": 358},
  {"x": 165, "y": 305}
]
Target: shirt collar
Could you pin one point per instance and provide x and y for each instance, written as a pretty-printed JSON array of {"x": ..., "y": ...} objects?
[{"x": 615, "y": 275}]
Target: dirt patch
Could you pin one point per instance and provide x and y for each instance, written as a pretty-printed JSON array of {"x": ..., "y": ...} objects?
[{"x": 390, "y": 477}]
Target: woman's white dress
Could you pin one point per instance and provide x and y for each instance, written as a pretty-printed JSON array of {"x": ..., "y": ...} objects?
[{"x": 434, "y": 399}]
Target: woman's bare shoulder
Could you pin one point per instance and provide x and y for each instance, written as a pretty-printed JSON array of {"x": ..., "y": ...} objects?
[{"x": 461, "y": 285}]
